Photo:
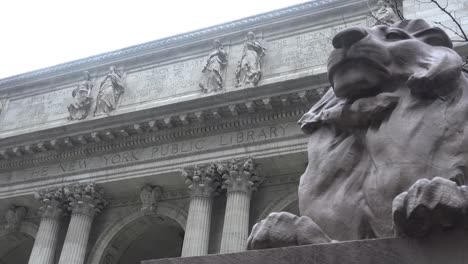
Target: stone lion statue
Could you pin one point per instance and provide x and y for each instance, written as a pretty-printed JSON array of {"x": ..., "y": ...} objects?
[{"x": 388, "y": 144}]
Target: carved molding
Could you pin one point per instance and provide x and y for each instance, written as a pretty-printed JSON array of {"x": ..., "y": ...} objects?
[{"x": 160, "y": 130}]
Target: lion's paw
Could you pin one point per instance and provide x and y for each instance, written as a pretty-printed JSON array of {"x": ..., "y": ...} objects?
[
  {"x": 429, "y": 204},
  {"x": 285, "y": 229}
]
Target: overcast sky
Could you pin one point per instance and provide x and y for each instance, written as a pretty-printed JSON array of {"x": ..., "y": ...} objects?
[{"x": 41, "y": 33}]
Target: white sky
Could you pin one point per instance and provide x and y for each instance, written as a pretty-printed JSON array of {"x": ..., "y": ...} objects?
[{"x": 41, "y": 33}]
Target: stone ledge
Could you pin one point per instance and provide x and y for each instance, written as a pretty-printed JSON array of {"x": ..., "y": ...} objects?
[{"x": 447, "y": 248}]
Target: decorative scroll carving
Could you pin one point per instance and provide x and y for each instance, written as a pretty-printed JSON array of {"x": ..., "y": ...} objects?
[
  {"x": 249, "y": 68},
  {"x": 202, "y": 180},
  {"x": 110, "y": 92},
  {"x": 150, "y": 196},
  {"x": 386, "y": 13},
  {"x": 81, "y": 105},
  {"x": 14, "y": 216},
  {"x": 240, "y": 176},
  {"x": 54, "y": 202},
  {"x": 212, "y": 79},
  {"x": 85, "y": 198}
]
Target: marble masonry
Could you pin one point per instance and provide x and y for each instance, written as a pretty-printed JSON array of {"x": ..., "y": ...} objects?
[{"x": 179, "y": 146}]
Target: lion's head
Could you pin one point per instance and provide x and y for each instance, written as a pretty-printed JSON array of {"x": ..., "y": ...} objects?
[{"x": 368, "y": 61}]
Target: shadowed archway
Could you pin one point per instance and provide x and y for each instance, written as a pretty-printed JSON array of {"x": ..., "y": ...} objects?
[
  {"x": 141, "y": 236},
  {"x": 16, "y": 246}
]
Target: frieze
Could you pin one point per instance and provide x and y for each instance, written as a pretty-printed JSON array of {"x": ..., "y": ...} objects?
[
  {"x": 154, "y": 131},
  {"x": 159, "y": 152},
  {"x": 302, "y": 51},
  {"x": 174, "y": 78},
  {"x": 36, "y": 109},
  {"x": 165, "y": 42},
  {"x": 163, "y": 81}
]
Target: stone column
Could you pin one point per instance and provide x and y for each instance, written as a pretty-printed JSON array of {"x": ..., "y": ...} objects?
[
  {"x": 239, "y": 180},
  {"x": 45, "y": 245},
  {"x": 85, "y": 200},
  {"x": 203, "y": 184}
]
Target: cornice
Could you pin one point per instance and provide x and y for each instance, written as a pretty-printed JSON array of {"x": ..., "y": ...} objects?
[
  {"x": 178, "y": 126},
  {"x": 163, "y": 43}
]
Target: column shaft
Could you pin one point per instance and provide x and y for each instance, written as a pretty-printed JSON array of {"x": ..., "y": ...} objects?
[
  {"x": 236, "y": 222},
  {"x": 76, "y": 240},
  {"x": 43, "y": 251},
  {"x": 197, "y": 232}
]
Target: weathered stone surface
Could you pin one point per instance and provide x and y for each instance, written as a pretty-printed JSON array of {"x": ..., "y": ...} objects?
[
  {"x": 386, "y": 124},
  {"x": 442, "y": 248},
  {"x": 159, "y": 152}
]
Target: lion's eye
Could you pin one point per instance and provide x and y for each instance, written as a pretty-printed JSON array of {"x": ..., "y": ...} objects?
[{"x": 395, "y": 35}]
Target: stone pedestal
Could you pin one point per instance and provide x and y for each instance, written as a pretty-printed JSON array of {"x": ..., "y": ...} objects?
[
  {"x": 446, "y": 248},
  {"x": 240, "y": 181},
  {"x": 203, "y": 183},
  {"x": 85, "y": 202}
]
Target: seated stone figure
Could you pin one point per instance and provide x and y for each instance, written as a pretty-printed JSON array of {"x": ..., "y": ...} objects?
[{"x": 388, "y": 144}]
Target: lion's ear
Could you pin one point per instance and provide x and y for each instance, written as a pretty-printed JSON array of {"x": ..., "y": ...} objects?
[{"x": 434, "y": 36}]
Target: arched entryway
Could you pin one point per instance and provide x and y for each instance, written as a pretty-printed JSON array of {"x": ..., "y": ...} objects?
[
  {"x": 142, "y": 236},
  {"x": 16, "y": 246}
]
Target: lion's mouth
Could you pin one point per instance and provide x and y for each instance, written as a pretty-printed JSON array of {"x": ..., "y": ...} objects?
[
  {"x": 351, "y": 62},
  {"x": 362, "y": 56}
]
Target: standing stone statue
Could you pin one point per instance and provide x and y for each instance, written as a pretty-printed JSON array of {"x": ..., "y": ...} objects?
[
  {"x": 386, "y": 13},
  {"x": 81, "y": 105},
  {"x": 212, "y": 79},
  {"x": 388, "y": 143},
  {"x": 110, "y": 92},
  {"x": 249, "y": 69},
  {"x": 150, "y": 196}
]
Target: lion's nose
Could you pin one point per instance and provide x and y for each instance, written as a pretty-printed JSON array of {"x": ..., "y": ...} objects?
[{"x": 348, "y": 37}]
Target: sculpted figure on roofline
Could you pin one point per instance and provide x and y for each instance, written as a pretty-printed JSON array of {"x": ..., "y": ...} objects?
[
  {"x": 110, "y": 93},
  {"x": 212, "y": 78},
  {"x": 249, "y": 68}
]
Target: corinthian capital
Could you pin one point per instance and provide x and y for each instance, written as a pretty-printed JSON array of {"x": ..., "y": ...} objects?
[
  {"x": 240, "y": 176},
  {"x": 53, "y": 202},
  {"x": 85, "y": 198},
  {"x": 202, "y": 180}
]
